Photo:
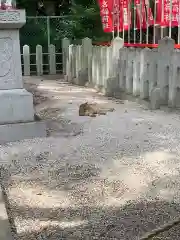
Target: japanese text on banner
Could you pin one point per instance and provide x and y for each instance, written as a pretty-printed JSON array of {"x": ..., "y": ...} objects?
[
  {"x": 167, "y": 12},
  {"x": 144, "y": 16},
  {"x": 106, "y": 14}
]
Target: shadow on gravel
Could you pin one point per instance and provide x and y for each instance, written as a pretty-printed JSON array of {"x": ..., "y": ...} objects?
[
  {"x": 128, "y": 222},
  {"x": 88, "y": 219}
]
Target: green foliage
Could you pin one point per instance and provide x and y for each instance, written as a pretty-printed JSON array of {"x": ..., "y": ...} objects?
[
  {"x": 85, "y": 21},
  {"x": 82, "y": 20}
]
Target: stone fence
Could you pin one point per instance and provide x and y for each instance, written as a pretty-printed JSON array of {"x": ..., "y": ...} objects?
[{"x": 149, "y": 74}]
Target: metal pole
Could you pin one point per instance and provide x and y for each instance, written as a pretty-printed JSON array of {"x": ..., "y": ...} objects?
[
  {"x": 129, "y": 20},
  {"x": 118, "y": 16},
  {"x": 113, "y": 19},
  {"x": 48, "y": 31},
  {"x": 154, "y": 26},
  {"x": 140, "y": 40},
  {"x": 134, "y": 21},
  {"x": 147, "y": 20},
  {"x": 162, "y": 19},
  {"x": 121, "y": 10},
  {"x": 179, "y": 23},
  {"x": 170, "y": 20}
]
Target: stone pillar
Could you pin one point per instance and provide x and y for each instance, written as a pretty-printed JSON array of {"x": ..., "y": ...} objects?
[
  {"x": 165, "y": 50},
  {"x": 144, "y": 73},
  {"x": 129, "y": 70},
  {"x": 16, "y": 104},
  {"x": 84, "y": 73},
  {"x": 160, "y": 94},
  {"x": 87, "y": 50},
  {"x": 68, "y": 76},
  {"x": 112, "y": 83},
  {"x": 174, "y": 86},
  {"x": 136, "y": 72},
  {"x": 65, "y": 52}
]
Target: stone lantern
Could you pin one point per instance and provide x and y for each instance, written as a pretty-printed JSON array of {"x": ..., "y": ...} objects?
[{"x": 16, "y": 104}]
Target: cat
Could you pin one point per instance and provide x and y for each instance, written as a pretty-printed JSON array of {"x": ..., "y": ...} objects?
[{"x": 93, "y": 109}]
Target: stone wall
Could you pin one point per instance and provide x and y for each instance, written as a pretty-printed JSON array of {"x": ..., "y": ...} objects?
[{"x": 150, "y": 74}]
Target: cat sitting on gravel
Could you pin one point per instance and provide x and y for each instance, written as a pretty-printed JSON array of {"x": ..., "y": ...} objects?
[{"x": 93, "y": 109}]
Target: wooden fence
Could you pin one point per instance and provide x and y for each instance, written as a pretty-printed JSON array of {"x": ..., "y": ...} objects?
[{"x": 40, "y": 63}]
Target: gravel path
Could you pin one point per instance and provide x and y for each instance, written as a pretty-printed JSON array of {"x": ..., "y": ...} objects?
[{"x": 109, "y": 177}]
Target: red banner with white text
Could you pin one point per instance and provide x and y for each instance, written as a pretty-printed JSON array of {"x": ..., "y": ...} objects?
[
  {"x": 125, "y": 12},
  {"x": 115, "y": 14},
  {"x": 106, "y": 9},
  {"x": 144, "y": 16},
  {"x": 168, "y": 12}
]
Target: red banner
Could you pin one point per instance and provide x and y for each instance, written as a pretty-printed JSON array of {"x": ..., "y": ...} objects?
[
  {"x": 125, "y": 7},
  {"x": 167, "y": 14},
  {"x": 115, "y": 14},
  {"x": 106, "y": 14},
  {"x": 144, "y": 16},
  {"x": 121, "y": 14}
]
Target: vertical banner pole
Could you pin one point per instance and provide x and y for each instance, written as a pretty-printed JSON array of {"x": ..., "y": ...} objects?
[
  {"x": 170, "y": 20},
  {"x": 147, "y": 20},
  {"x": 141, "y": 18},
  {"x": 154, "y": 24},
  {"x": 118, "y": 16},
  {"x": 134, "y": 21},
  {"x": 113, "y": 18},
  {"x": 129, "y": 19},
  {"x": 178, "y": 23},
  {"x": 162, "y": 19}
]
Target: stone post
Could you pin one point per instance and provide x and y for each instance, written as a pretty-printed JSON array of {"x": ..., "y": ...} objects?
[
  {"x": 144, "y": 73},
  {"x": 165, "y": 50},
  {"x": 153, "y": 60},
  {"x": 93, "y": 66},
  {"x": 136, "y": 72},
  {"x": 174, "y": 86},
  {"x": 87, "y": 51},
  {"x": 65, "y": 52},
  {"x": 103, "y": 60},
  {"x": 122, "y": 68},
  {"x": 16, "y": 104},
  {"x": 84, "y": 74},
  {"x": 112, "y": 83},
  {"x": 160, "y": 94},
  {"x": 129, "y": 70},
  {"x": 68, "y": 76}
]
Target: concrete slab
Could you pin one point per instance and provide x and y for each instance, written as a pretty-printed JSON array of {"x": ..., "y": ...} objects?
[{"x": 20, "y": 131}]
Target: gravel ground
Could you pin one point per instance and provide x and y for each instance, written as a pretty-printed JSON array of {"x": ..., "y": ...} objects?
[{"x": 109, "y": 177}]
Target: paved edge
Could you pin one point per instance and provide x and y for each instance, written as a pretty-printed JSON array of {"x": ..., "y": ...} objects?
[
  {"x": 20, "y": 131},
  {"x": 5, "y": 229}
]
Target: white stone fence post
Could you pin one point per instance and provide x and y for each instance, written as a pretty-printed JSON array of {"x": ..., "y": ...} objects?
[{"x": 37, "y": 68}]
